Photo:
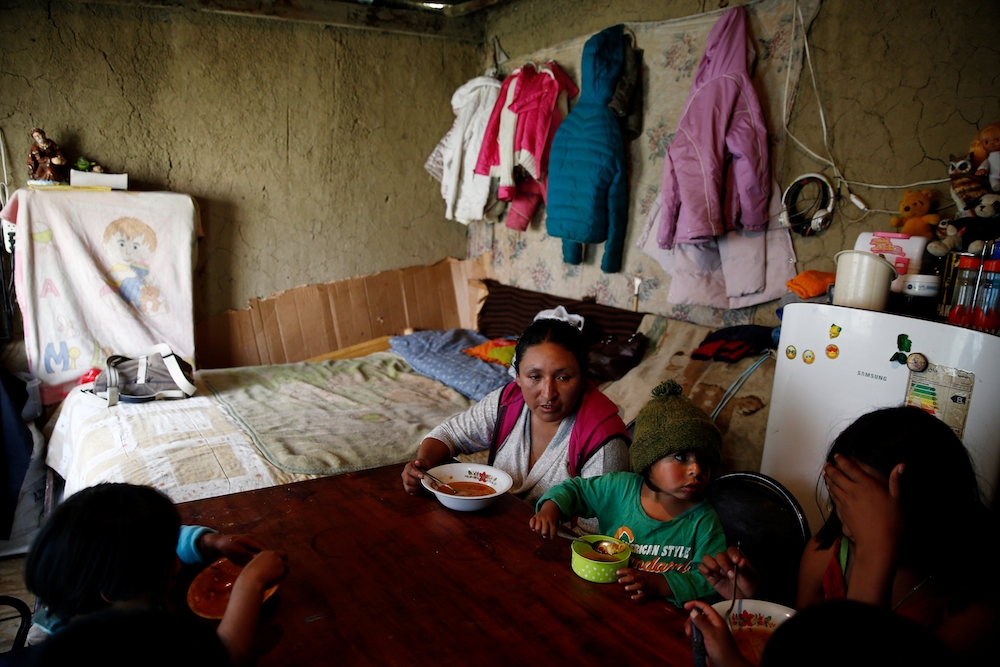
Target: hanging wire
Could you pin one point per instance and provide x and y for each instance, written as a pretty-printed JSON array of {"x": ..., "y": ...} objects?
[
  {"x": 735, "y": 386},
  {"x": 829, "y": 161}
]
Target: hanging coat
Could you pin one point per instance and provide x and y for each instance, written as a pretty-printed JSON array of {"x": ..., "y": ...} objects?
[
  {"x": 717, "y": 173},
  {"x": 588, "y": 180},
  {"x": 464, "y": 191}
]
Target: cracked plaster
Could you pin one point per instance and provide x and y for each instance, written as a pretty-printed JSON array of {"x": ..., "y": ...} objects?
[{"x": 304, "y": 144}]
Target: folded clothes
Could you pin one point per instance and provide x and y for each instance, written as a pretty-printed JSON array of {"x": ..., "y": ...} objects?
[{"x": 811, "y": 283}]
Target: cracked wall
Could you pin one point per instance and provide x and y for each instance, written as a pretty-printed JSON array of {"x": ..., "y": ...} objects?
[
  {"x": 903, "y": 84},
  {"x": 304, "y": 145}
]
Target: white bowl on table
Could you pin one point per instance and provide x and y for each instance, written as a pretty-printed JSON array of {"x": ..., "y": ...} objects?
[
  {"x": 755, "y": 620},
  {"x": 468, "y": 472}
]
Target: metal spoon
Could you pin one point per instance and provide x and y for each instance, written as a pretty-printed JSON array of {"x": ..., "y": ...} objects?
[
  {"x": 609, "y": 547},
  {"x": 440, "y": 485}
]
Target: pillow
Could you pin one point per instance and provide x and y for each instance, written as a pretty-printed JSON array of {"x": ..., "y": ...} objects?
[
  {"x": 508, "y": 310},
  {"x": 496, "y": 351},
  {"x": 438, "y": 355}
]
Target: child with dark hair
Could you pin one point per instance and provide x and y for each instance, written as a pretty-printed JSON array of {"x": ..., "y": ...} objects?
[
  {"x": 905, "y": 506},
  {"x": 117, "y": 546},
  {"x": 659, "y": 509},
  {"x": 551, "y": 423},
  {"x": 126, "y": 637}
]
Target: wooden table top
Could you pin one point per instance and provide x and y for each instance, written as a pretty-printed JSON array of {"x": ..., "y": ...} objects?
[{"x": 379, "y": 577}]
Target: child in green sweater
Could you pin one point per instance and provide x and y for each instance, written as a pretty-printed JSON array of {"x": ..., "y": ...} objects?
[{"x": 659, "y": 509}]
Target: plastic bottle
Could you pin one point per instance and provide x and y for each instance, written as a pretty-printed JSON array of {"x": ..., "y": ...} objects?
[
  {"x": 962, "y": 306},
  {"x": 986, "y": 315}
]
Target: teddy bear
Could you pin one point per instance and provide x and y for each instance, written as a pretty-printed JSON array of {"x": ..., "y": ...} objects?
[
  {"x": 914, "y": 216},
  {"x": 150, "y": 299},
  {"x": 948, "y": 238}
]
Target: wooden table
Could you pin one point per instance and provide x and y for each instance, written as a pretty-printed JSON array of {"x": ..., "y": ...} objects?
[{"x": 379, "y": 577}]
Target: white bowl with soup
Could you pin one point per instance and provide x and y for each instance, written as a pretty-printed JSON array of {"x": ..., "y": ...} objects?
[
  {"x": 753, "y": 622},
  {"x": 478, "y": 485}
]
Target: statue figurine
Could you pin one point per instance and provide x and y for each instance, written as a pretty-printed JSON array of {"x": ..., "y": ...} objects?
[{"x": 46, "y": 164}]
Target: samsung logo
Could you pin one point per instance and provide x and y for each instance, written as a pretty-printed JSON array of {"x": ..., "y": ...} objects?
[{"x": 873, "y": 376}]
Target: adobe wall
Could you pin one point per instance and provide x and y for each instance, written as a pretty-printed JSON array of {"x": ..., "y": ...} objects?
[{"x": 303, "y": 144}]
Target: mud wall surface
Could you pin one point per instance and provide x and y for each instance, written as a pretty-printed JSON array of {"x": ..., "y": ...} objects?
[
  {"x": 903, "y": 84},
  {"x": 303, "y": 144}
]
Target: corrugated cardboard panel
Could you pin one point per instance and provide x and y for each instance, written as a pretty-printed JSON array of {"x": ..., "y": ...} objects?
[
  {"x": 383, "y": 298},
  {"x": 429, "y": 315},
  {"x": 289, "y": 329},
  {"x": 445, "y": 288},
  {"x": 271, "y": 331},
  {"x": 313, "y": 320},
  {"x": 259, "y": 337}
]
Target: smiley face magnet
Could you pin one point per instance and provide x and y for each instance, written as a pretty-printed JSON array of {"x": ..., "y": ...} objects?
[
  {"x": 790, "y": 352},
  {"x": 832, "y": 351},
  {"x": 808, "y": 356}
]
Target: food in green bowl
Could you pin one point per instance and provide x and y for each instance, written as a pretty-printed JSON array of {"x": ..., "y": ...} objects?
[{"x": 600, "y": 568}]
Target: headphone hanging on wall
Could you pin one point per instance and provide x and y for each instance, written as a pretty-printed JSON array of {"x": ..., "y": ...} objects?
[{"x": 817, "y": 215}]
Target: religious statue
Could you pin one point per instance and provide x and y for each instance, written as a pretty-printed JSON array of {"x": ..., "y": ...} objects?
[{"x": 46, "y": 163}]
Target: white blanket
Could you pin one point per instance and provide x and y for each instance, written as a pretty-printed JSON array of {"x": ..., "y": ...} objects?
[{"x": 101, "y": 273}]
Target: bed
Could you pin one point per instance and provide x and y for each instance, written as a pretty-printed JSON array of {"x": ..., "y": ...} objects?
[{"x": 258, "y": 426}]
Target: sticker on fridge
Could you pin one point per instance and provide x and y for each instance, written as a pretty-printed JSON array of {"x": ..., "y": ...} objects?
[{"x": 944, "y": 392}]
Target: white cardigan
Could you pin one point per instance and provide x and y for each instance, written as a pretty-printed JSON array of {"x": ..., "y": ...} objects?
[{"x": 465, "y": 192}]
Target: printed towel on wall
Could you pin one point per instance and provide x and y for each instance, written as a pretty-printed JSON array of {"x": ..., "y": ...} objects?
[{"x": 101, "y": 273}]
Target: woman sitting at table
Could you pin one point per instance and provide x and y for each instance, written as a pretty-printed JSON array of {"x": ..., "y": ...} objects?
[{"x": 551, "y": 423}]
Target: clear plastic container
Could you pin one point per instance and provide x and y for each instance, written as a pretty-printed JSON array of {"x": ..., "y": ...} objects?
[
  {"x": 986, "y": 314},
  {"x": 962, "y": 302}
]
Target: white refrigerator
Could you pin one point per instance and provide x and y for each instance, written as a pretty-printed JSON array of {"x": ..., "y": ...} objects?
[{"x": 836, "y": 364}]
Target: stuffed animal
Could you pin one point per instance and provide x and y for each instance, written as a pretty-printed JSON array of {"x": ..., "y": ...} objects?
[
  {"x": 948, "y": 238},
  {"x": 966, "y": 188},
  {"x": 986, "y": 154},
  {"x": 150, "y": 299},
  {"x": 915, "y": 217}
]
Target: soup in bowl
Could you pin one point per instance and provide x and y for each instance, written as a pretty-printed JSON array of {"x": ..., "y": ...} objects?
[
  {"x": 477, "y": 485},
  {"x": 753, "y": 622}
]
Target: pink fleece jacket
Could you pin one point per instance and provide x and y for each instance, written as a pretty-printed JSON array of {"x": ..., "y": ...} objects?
[{"x": 716, "y": 176}]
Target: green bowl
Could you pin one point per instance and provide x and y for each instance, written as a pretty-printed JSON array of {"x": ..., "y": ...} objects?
[{"x": 598, "y": 571}]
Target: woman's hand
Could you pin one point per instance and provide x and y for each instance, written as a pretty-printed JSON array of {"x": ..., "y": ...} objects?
[
  {"x": 868, "y": 507},
  {"x": 431, "y": 453},
  {"x": 643, "y": 585},
  {"x": 727, "y": 569},
  {"x": 719, "y": 644},
  {"x": 546, "y": 521},
  {"x": 237, "y": 548}
]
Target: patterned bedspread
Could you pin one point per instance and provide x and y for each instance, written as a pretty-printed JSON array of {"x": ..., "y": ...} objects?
[{"x": 254, "y": 427}]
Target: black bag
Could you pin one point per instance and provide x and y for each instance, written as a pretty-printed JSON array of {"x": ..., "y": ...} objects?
[
  {"x": 154, "y": 374},
  {"x": 615, "y": 356}
]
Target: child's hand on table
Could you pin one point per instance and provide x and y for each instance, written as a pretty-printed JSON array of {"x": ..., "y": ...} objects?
[
  {"x": 546, "y": 521},
  {"x": 264, "y": 570},
  {"x": 237, "y": 548},
  {"x": 643, "y": 585},
  {"x": 719, "y": 644},
  {"x": 720, "y": 571}
]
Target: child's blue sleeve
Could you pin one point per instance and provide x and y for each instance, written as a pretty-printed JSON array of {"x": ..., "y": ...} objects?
[{"x": 187, "y": 544}]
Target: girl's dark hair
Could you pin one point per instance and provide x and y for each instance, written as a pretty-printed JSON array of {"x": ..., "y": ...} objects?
[
  {"x": 105, "y": 543},
  {"x": 939, "y": 490},
  {"x": 559, "y": 332}
]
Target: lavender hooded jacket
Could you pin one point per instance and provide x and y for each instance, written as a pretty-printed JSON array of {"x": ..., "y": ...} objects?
[{"x": 717, "y": 171}]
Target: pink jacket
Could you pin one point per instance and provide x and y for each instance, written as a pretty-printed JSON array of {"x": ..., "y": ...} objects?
[
  {"x": 716, "y": 176},
  {"x": 522, "y": 124}
]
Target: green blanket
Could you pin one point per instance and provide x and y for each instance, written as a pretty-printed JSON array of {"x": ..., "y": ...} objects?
[{"x": 335, "y": 416}]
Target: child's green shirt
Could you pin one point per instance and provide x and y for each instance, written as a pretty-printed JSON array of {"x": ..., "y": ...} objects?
[{"x": 673, "y": 548}]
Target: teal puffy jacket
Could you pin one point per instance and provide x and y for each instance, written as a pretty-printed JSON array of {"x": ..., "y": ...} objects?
[{"x": 588, "y": 180}]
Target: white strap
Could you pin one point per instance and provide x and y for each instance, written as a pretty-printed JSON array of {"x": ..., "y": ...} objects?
[
  {"x": 178, "y": 375},
  {"x": 113, "y": 379}
]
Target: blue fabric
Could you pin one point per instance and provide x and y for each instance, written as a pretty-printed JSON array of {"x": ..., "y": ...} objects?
[
  {"x": 187, "y": 544},
  {"x": 17, "y": 445},
  {"x": 438, "y": 355},
  {"x": 588, "y": 180}
]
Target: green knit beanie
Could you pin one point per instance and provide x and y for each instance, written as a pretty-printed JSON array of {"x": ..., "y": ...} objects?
[{"x": 671, "y": 423}]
